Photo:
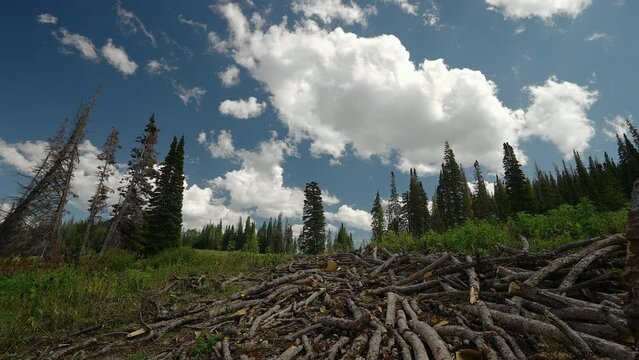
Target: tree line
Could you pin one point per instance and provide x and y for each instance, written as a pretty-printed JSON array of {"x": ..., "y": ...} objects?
[
  {"x": 146, "y": 219},
  {"x": 606, "y": 184}
]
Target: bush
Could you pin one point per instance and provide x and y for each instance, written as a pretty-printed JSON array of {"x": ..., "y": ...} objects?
[{"x": 116, "y": 260}]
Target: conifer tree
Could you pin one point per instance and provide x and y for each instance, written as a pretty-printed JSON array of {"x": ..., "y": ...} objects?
[
  {"x": 394, "y": 207},
  {"x": 417, "y": 206},
  {"x": 262, "y": 238},
  {"x": 165, "y": 204},
  {"x": 279, "y": 244},
  {"x": 377, "y": 222},
  {"x": 517, "y": 188},
  {"x": 586, "y": 186},
  {"x": 128, "y": 218},
  {"x": 329, "y": 240},
  {"x": 502, "y": 207},
  {"x": 106, "y": 169},
  {"x": 482, "y": 203},
  {"x": 450, "y": 191},
  {"x": 314, "y": 223},
  {"x": 343, "y": 242},
  {"x": 468, "y": 199}
]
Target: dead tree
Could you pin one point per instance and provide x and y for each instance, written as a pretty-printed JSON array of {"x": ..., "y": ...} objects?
[
  {"x": 32, "y": 226},
  {"x": 128, "y": 214},
  {"x": 102, "y": 191}
]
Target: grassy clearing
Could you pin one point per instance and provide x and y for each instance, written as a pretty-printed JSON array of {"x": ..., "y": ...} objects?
[
  {"x": 40, "y": 303},
  {"x": 556, "y": 227}
]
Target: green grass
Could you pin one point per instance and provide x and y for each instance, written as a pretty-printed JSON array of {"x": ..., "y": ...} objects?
[
  {"x": 47, "y": 304},
  {"x": 546, "y": 231}
]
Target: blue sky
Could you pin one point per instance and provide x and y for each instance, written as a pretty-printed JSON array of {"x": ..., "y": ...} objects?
[{"x": 272, "y": 94}]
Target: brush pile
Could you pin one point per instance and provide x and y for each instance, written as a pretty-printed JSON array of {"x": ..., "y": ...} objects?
[{"x": 516, "y": 304}]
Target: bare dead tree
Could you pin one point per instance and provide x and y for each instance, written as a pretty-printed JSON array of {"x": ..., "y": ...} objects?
[
  {"x": 32, "y": 226},
  {"x": 102, "y": 191}
]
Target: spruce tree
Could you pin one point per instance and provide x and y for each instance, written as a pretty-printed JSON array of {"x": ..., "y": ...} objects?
[
  {"x": 394, "y": 207},
  {"x": 482, "y": 203},
  {"x": 165, "y": 205},
  {"x": 377, "y": 222},
  {"x": 451, "y": 191},
  {"x": 128, "y": 219},
  {"x": 502, "y": 207},
  {"x": 517, "y": 188},
  {"x": 417, "y": 205},
  {"x": 343, "y": 242},
  {"x": 314, "y": 223}
]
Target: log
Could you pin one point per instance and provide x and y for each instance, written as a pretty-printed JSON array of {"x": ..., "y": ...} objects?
[
  {"x": 290, "y": 353},
  {"x": 420, "y": 274},
  {"x": 580, "y": 344},
  {"x": 429, "y": 335},
  {"x": 334, "y": 351},
  {"x": 583, "y": 264},
  {"x": 375, "y": 342},
  {"x": 357, "y": 347},
  {"x": 413, "y": 339},
  {"x": 391, "y": 301}
]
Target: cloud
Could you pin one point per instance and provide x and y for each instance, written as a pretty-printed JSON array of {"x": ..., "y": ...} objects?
[
  {"x": 616, "y": 125},
  {"x": 558, "y": 114},
  {"x": 598, "y": 36},
  {"x": 329, "y": 199},
  {"x": 544, "y": 9},
  {"x": 242, "y": 109},
  {"x": 118, "y": 58},
  {"x": 520, "y": 29},
  {"x": 201, "y": 207},
  {"x": 230, "y": 76},
  {"x": 222, "y": 148},
  {"x": 431, "y": 16},
  {"x": 82, "y": 44},
  {"x": 216, "y": 44},
  {"x": 329, "y": 10},
  {"x": 131, "y": 23},
  {"x": 406, "y": 6},
  {"x": 25, "y": 156},
  {"x": 341, "y": 91},
  {"x": 195, "y": 94},
  {"x": 356, "y": 218},
  {"x": 156, "y": 67},
  {"x": 258, "y": 186},
  {"x": 192, "y": 23},
  {"x": 47, "y": 19}
]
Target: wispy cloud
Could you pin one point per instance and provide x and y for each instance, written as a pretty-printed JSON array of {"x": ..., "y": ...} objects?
[
  {"x": 520, "y": 29},
  {"x": 598, "y": 36},
  {"x": 47, "y": 19},
  {"x": 161, "y": 66},
  {"x": 192, "y": 23},
  {"x": 131, "y": 23},
  {"x": 118, "y": 58},
  {"x": 194, "y": 94},
  {"x": 230, "y": 76},
  {"x": 82, "y": 44}
]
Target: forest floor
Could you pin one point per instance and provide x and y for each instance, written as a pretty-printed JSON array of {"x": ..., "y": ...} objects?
[{"x": 515, "y": 304}]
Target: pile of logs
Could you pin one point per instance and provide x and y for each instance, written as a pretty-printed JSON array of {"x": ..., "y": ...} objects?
[{"x": 515, "y": 304}]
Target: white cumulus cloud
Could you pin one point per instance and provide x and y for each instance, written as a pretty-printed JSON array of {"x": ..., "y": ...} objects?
[
  {"x": 47, "y": 19},
  {"x": 544, "y": 9},
  {"x": 118, "y": 58},
  {"x": 230, "y": 76},
  {"x": 355, "y": 218},
  {"x": 406, "y": 5},
  {"x": 616, "y": 126},
  {"x": 558, "y": 114},
  {"x": 242, "y": 109},
  {"x": 329, "y": 10},
  {"x": 337, "y": 89}
]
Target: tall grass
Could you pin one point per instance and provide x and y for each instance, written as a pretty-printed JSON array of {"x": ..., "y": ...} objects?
[
  {"x": 51, "y": 303},
  {"x": 556, "y": 227}
]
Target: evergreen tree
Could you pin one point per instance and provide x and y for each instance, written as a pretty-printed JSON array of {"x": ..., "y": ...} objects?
[
  {"x": 279, "y": 245},
  {"x": 377, "y": 223},
  {"x": 517, "y": 188},
  {"x": 314, "y": 224},
  {"x": 262, "y": 238},
  {"x": 394, "y": 207},
  {"x": 451, "y": 191},
  {"x": 482, "y": 203},
  {"x": 128, "y": 216},
  {"x": 329, "y": 240},
  {"x": 586, "y": 187},
  {"x": 417, "y": 206},
  {"x": 343, "y": 242},
  {"x": 106, "y": 169},
  {"x": 502, "y": 207},
  {"x": 239, "y": 234},
  {"x": 165, "y": 204},
  {"x": 468, "y": 199},
  {"x": 289, "y": 239}
]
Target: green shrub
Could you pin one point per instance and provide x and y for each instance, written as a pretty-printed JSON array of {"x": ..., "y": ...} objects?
[{"x": 115, "y": 259}]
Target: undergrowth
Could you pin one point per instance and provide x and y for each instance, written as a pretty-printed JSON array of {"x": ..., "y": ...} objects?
[{"x": 41, "y": 302}]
